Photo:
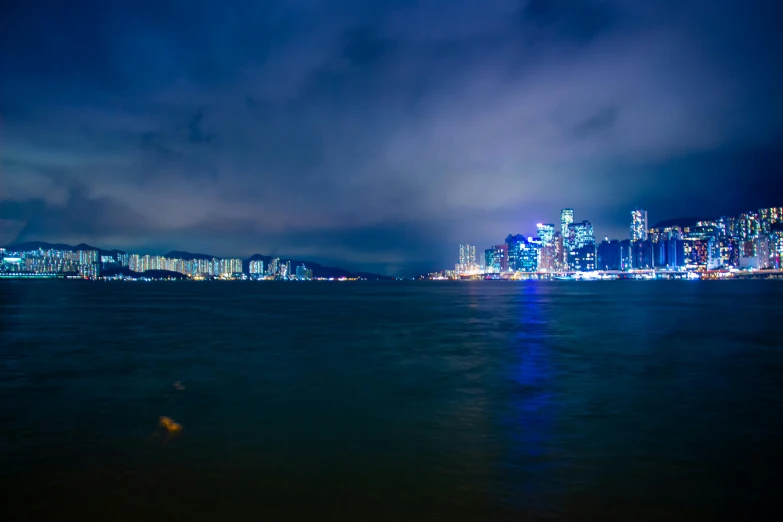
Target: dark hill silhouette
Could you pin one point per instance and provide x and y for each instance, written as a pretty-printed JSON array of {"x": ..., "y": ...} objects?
[
  {"x": 318, "y": 269},
  {"x": 189, "y": 256},
  {"x": 680, "y": 222}
]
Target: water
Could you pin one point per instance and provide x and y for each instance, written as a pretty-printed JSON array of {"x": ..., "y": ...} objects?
[{"x": 391, "y": 401}]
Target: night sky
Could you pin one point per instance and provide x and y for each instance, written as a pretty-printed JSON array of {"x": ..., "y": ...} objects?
[{"x": 379, "y": 135}]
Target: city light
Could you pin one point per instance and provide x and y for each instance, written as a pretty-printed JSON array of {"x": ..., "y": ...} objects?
[{"x": 749, "y": 244}]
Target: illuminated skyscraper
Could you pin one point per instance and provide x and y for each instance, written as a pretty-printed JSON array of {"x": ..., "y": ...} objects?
[
  {"x": 495, "y": 259},
  {"x": 566, "y": 218},
  {"x": 467, "y": 257},
  {"x": 748, "y": 225},
  {"x": 546, "y": 233},
  {"x": 638, "y": 225},
  {"x": 581, "y": 234},
  {"x": 768, "y": 217},
  {"x": 273, "y": 265},
  {"x": 515, "y": 244},
  {"x": 256, "y": 267},
  {"x": 547, "y": 252},
  {"x": 303, "y": 273}
]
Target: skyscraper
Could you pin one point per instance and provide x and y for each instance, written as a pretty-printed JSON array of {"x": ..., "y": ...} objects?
[
  {"x": 256, "y": 267},
  {"x": 638, "y": 225},
  {"x": 495, "y": 259},
  {"x": 769, "y": 217},
  {"x": 566, "y": 218},
  {"x": 547, "y": 252},
  {"x": 581, "y": 234},
  {"x": 467, "y": 258},
  {"x": 515, "y": 244},
  {"x": 748, "y": 225}
]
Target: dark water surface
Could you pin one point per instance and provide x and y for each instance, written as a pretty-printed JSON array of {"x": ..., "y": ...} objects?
[{"x": 391, "y": 401}]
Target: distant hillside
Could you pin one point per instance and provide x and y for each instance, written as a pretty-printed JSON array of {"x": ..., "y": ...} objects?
[
  {"x": 318, "y": 270},
  {"x": 680, "y": 222},
  {"x": 187, "y": 256},
  {"x": 35, "y": 245},
  {"x": 127, "y": 272}
]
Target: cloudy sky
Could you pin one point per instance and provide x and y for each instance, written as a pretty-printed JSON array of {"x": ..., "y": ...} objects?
[{"x": 379, "y": 135}]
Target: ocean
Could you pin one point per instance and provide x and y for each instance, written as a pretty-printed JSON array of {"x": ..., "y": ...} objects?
[{"x": 399, "y": 401}]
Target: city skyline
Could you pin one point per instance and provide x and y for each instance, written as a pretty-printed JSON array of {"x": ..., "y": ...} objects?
[
  {"x": 751, "y": 240},
  {"x": 378, "y": 135}
]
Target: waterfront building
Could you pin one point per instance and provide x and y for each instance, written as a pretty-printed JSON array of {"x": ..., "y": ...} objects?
[
  {"x": 272, "y": 269},
  {"x": 608, "y": 256},
  {"x": 527, "y": 260},
  {"x": 748, "y": 226},
  {"x": 303, "y": 273},
  {"x": 776, "y": 246},
  {"x": 697, "y": 254},
  {"x": 581, "y": 234},
  {"x": 583, "y": 258},
  {"x": 496, "y": 259},
  {"x": 725, "y": 253},
  {"x": 626, "y": 254},
  {"x": 559, "y": 252},
  {"x": 701, "y": 230},
  {"x": 642, "y": 254},
  {"x": 547, "y": 260},
  {"x": 467, "y": 258},
  {"x": 769, "y": 217},
  {"x": 256, "y": 267},
  {"x": 638, "y": 225},
  {"x": 657, "y": 234},
  {"x": 514, "y": 244},
  {"x": 566, "y": 218}
]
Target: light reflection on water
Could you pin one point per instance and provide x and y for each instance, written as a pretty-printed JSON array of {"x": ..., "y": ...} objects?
[{"x": 415, "y": 401}]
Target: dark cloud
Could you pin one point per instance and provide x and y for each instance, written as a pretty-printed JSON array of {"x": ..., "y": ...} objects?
[
  {"x": 602, "y": 121},
  {"x": 379, "y": 133}
]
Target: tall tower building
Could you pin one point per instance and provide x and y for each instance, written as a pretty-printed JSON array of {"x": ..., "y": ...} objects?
[
  {"x": 639, "y": 225},
  {"x": 566, "y": 218},
  {"x": 467, "y": 257},
  {"x": 546, "y": 233},
  {"x": 547, "y": 252}
]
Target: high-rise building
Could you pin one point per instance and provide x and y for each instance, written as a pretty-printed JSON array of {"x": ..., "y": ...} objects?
[
  {"x": 496, "y": 259},
  {"x": 285, "y": 269},
  {"x": 547, "y": 260},
  {"x": 515, "y": 244},
  {"x": 566, "y": 218},
  {"x": 608, "y": 257},
  {"x": 725, "y": 253},
  {"x": 527, "y": 257},
  {"x": 581, "y": 234},
  {"x": 638, "y": 225},
  {"x": 583, "y": 258},
  {"x": 559, "y": 256},
  {"x": 303, "y": 273},
  {"x": 697, "y": 253},
  {"x": 272, "y": 269},
  {"x": 546, "y": 233},
  {"x": 776, "y": 246},
  {"x": 769, "y": 217},
  {"x": 642, "y": 254},
  {"x": 581, "y": 253},
  {"x": 748, "y": 226},
  {"x": 467, "y": 258},
  {"x": 256, "y": 267}
]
